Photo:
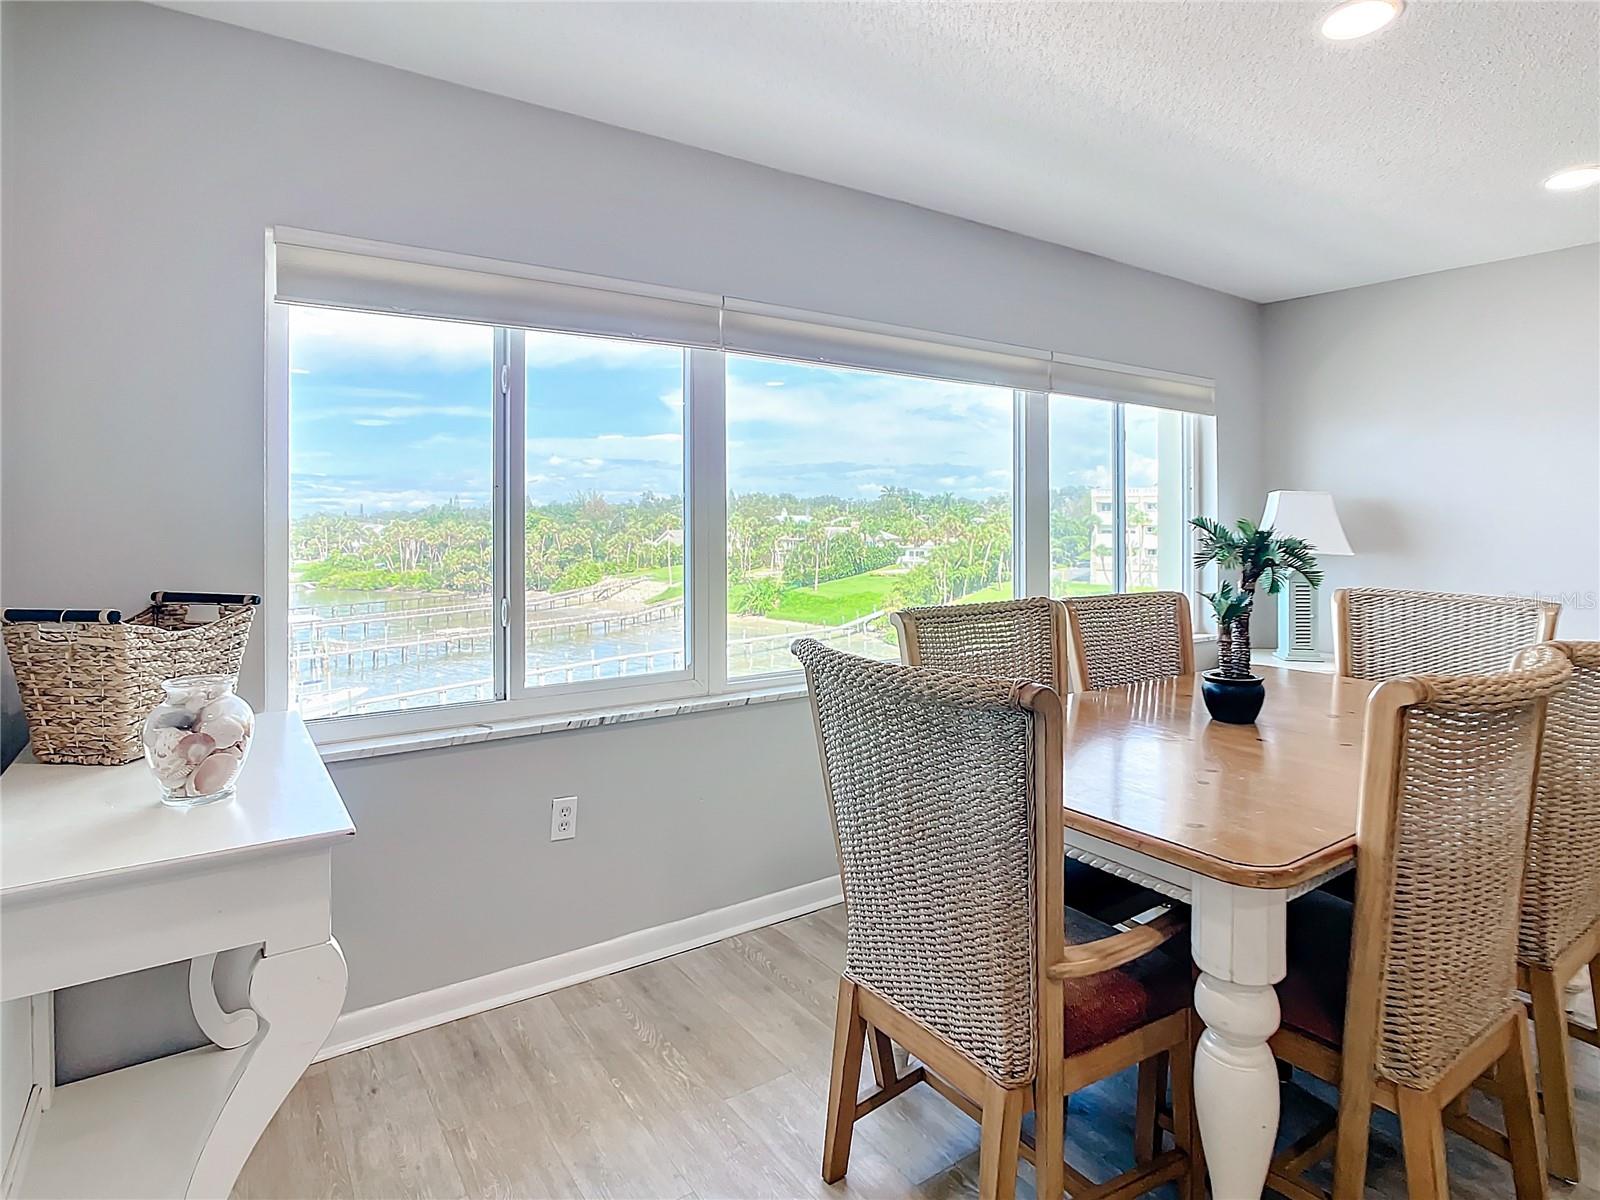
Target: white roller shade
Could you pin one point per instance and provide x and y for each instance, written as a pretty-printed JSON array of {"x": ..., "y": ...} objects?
[
  {"x": 341, "y": 272},
  {"x": 751, "y": 328},
  {"x": 399, "y": 280},
  {"x": 1098, "y": 381}
]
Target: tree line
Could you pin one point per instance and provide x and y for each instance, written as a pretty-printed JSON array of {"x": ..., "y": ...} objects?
[{"x": 949, "y": 545}]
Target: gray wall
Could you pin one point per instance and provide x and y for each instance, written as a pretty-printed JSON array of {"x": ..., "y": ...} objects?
[
  {"x": 1456, "y": 419},
  {"x": 145, "y": 152}
]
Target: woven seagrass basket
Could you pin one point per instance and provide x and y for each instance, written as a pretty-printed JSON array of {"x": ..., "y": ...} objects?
[{"x": 88, "y": 678}]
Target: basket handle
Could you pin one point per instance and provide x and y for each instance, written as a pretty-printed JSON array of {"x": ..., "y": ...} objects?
[
  {"x": 204, "y": 598},
  {"x": 56, "y": 616}
]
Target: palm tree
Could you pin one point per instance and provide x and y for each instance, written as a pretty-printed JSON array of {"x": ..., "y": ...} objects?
[{"x": 1263, "y": 559}]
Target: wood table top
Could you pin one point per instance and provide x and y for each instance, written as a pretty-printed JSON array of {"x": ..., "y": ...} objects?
[{"x": 1267, "y": 805}]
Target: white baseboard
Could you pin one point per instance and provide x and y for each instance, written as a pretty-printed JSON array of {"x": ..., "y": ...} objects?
[{"x": 395, "y": 1018}]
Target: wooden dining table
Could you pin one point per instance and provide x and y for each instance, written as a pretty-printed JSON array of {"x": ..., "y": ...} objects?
[{"x": 1236, "y": 821}]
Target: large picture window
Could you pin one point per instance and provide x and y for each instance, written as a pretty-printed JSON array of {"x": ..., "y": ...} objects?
[
  {"x": 512, "y": 493},
  {"x": 855, "y": 493}
]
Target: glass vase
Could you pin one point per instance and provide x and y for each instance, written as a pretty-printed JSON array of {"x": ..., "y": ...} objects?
[{"x": 196, "y": 739}]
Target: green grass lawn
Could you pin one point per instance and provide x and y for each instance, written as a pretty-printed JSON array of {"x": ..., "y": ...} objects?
[
  {"x": 842, "y": 600},
  {"x": 837, "y": 601}
]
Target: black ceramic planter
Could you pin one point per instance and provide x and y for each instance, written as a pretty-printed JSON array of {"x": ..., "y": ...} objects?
[{"x": 1233, "y": 701}]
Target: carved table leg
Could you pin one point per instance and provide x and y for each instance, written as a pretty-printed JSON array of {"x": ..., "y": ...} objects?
[
  {"x": 297, "y": 995},
  {"x": 1238, "y": 942},
  {"x": 229, "y": 1030}
]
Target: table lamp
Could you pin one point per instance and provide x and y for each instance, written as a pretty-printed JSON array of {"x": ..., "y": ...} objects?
[{"x": 1311, "y": 516}]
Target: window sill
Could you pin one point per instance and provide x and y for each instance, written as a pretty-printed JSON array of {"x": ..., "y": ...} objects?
[
  {"x": 495, "y": 731},
  {"x": 469, "y": 734}
]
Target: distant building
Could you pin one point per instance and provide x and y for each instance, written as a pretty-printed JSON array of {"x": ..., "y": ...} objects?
[
  {"x": 917, "y": 554},
  {"x": 1144, "y": 509}
]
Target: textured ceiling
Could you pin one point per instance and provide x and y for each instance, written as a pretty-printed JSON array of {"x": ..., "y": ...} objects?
[{"x": 1224, "y": 143}]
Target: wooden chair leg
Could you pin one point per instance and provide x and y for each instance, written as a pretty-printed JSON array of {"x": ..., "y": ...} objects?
[
  {"x": 1514, "y": 1080},
  {"x": 1049, "y": 1097},
  {"x": 1150, "y": 1092},
  {"x": 1185, "y": 1126},
  {"x": 1555, "y": 1070},
  {"x": 1000, "y": 1142},
  {"x": 1422, "y": 1137},
  {"x": 844, "y": 1083},
  {"x": 881, "y": 1048},
  {"x": 1355, "y": 1133}
]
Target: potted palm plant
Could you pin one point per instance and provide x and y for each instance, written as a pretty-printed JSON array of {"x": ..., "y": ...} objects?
[{"x": 1233, "y": 693}]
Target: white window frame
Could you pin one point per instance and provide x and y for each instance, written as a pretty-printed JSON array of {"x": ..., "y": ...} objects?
[{"x": 705, "y": 503}]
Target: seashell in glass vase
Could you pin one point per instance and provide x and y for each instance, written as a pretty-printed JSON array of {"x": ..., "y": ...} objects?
[{"x": 196, "y": 739}]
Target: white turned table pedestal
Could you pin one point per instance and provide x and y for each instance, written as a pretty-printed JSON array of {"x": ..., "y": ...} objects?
[{"x": 99, "y": 879}]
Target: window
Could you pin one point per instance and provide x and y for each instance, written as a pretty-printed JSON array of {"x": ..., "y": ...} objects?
[
  {"x": 604, "y": 527},
  {"x": 1155, "y": 500},
  {"x": 500, "y": 492},
  {"x": 390, "y": 529},
  {"x": 1122, "y": 486},
  {"x": 855, "y": 493},
  {"x": 1082, "y": 510}
]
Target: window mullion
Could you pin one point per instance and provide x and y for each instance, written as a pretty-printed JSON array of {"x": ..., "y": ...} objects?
[
  {"x": 1031, "y": 495},
  {"x": 514, "y": 460},
  {"x": 1119, "y": 499},
  {"x": 499, "y": 572},
  {"x": 706, "y": 490}
]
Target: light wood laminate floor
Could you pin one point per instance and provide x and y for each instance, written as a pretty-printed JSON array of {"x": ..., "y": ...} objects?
[{"x": 702, "y": 1075}]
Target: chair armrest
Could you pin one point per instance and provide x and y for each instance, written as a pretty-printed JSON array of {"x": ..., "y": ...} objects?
[{"x": 1108, "y": 953}]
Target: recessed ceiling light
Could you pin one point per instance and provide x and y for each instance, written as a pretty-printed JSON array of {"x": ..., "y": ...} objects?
[
  {"x": 1574, "y": 179},
  {"x": 1357, "y": 18}
]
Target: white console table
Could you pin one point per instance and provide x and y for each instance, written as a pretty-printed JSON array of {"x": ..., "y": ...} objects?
[{"x": 98, "y": 878}]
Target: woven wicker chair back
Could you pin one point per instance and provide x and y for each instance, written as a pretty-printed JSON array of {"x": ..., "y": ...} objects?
[
  {"x": 1011, "y": 639},
  {"x": 1130, "y": 637},
  {"x": 1463, "y": 792},
  {"x": 1561, "y": 895},
  {"x": 930, "y": 777},
  {"x": 1385, "y": 634}
]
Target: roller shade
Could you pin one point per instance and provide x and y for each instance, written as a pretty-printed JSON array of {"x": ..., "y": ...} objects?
[
  {"x": 1185, "y": 393},
  {"x": 489, "y": 293},
  {"x": 341, "y": 272},
  {"x": 751, "y": 328}
]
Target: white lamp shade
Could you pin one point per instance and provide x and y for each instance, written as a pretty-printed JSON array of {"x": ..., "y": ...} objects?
[{"x": 1307, "y": 515}]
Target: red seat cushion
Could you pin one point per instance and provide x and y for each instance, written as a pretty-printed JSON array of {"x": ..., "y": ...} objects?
[
  {"x": 1103, "y": 1007},
  {"x": 1312, "y": 994}
]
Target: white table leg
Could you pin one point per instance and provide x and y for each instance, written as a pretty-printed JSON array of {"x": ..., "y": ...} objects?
[
  {"x": 1239, "y": 945},
  {"x": 297, "y": 995}
]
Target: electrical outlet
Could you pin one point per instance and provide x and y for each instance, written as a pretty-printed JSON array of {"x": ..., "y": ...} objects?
[{"x": 563, "y": 818}]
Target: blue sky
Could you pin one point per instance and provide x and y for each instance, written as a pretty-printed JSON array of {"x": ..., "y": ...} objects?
[{"x": 395, "y": 413}]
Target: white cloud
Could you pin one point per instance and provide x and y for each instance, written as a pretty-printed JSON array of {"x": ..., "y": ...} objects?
[
  {"x": 561, "y": 349},
  {"x": 336, "y": 337},
  {"x": 390, "y": 412}
]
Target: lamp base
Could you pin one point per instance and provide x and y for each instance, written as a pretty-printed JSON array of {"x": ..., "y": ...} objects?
[{"x": 1297, "y": 623}]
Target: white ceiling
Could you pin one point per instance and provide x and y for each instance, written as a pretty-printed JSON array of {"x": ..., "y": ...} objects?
[{"x": 1222, "y": 142}]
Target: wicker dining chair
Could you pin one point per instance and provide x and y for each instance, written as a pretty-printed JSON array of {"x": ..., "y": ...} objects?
[
  {"x": 1128, "y": 637},
  {"x": 1425, "y": 1000},
  {"x": 944, "y": 791},
  {"x": 1560, "y": 932},
  {"x": 1017, "y": 639},
  {"x": 1382, "y": 633}
]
